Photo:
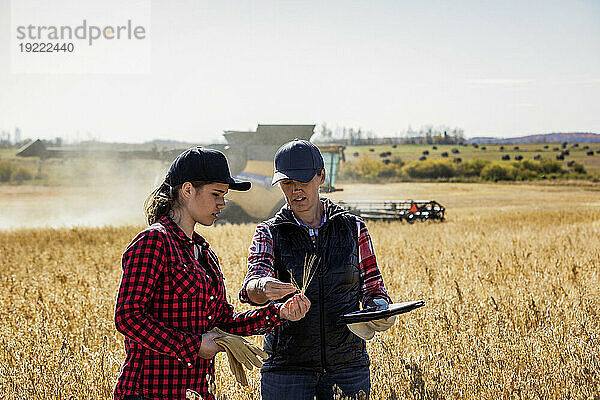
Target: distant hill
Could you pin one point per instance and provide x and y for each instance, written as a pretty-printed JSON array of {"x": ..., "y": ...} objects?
[{"x": 570, "y": 137}]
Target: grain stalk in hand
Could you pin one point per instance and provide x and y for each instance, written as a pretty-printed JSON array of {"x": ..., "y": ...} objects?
[{"x": 308, "y": 273}]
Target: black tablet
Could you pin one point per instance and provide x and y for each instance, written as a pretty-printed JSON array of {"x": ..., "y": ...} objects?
[{"x": 373, "y": 313}]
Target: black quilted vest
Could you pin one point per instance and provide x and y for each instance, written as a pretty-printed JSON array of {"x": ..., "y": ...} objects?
[{"x": 319, "y": 342}]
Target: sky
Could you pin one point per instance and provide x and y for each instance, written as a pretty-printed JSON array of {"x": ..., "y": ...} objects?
[{"x": 494, "y": 68}]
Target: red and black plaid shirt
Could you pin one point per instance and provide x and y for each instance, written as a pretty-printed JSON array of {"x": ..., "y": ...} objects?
[{"x": 166, "y": 301}]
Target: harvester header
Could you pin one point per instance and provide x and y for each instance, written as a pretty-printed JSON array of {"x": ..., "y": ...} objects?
[{"x": 403, "y": 210}]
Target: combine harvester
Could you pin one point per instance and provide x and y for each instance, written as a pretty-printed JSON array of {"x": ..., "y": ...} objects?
[{"x": 250, "y": 156}]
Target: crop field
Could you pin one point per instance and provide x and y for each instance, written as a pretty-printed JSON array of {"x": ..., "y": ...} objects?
[
  {"x": 511, "y": 282},
  {"x": 490, "y": 152}
]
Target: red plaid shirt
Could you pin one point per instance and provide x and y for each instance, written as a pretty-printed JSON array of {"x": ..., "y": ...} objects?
[
  {"x": 166, "y": 301},
  {"x": 261, "y": 259}
]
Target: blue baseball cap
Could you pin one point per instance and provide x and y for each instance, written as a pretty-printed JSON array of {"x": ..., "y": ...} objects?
[
  {"x": 199, "y": 164},
  {"x": 298, "y": 160}
]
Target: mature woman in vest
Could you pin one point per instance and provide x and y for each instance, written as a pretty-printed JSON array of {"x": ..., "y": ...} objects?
[
  {"x": 309, "y": 356},
  {"x": 172, "y": 291}
]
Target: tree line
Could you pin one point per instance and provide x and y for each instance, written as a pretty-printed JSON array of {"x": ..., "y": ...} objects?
[{"x": 427, "y": 134}]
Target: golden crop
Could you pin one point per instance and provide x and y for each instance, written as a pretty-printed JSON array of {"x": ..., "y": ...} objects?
[{"x": 512, "y": 291}]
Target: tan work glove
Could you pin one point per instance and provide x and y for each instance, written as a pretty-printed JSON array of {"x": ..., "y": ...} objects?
[
  {"x": 236, "y": 367},
  {"x": 366, "y": 330},
  {"x": 240, "y": 352}
]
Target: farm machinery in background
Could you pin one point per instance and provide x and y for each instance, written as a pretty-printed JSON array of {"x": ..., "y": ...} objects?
[
  {"x": 388, "y": 210},
  {"x": 251, "y": 158},
  {"x": 250, "y": 155}
]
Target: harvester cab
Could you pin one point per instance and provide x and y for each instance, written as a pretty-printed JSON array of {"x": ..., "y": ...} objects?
[{"x": 251, "y": 154}]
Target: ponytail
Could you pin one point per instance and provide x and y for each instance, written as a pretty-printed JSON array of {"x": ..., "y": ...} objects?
[
  {"x": 160, "y": 202},
  {"x": 163, "y": 200}
]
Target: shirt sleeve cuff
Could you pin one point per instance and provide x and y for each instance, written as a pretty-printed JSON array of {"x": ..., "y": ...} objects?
[
  {"x": 271, "y": 314},
  {"x": 275, "y": 310},
  {"x": 188, "y": 348},
  {"x": 243, "y": 295},
  {"x": 272, "y": 319}
]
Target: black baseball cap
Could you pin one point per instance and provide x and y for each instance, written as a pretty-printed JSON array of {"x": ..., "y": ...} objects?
[
  {"x": 200, "y": 164},
  {"x": 298, "y": 160}
]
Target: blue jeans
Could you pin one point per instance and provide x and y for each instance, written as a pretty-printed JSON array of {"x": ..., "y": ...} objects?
[{"x": 291, "y": 385}]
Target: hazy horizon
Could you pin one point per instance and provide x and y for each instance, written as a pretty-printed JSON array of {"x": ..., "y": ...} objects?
[{"x": 497, "y": 69}]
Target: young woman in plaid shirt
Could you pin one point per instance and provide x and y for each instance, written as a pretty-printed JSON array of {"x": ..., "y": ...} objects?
[{"x": 172, "y": 291}]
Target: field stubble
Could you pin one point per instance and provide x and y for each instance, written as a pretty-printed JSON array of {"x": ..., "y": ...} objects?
[{"x": 512, "y": 306}]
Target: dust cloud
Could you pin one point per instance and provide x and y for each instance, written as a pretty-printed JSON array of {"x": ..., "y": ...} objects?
[{"x": 82, "y": 192}]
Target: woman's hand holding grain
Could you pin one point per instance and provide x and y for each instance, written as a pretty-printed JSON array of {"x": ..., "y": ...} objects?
[
  {"x": 295, "y": 309},
  {"x": 208, "y": 348}
]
